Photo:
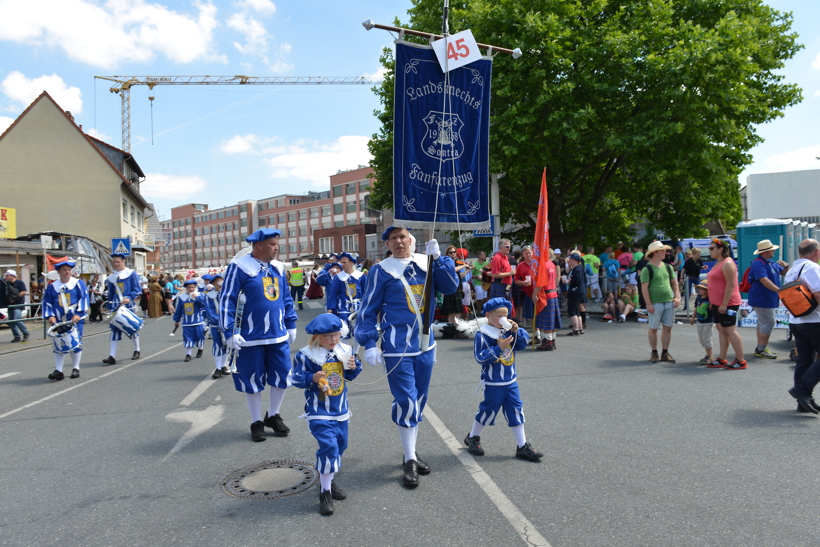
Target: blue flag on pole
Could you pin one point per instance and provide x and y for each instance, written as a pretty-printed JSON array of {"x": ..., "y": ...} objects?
[{"x": 441, "y": 142}]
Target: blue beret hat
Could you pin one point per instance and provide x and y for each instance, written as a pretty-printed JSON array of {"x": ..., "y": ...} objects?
[
  {"x": 207, "y": 277},
  {"x": 262, "y": 234},
  {"x": 219, "y": 275},
  {"x": 324, "y": 324},
  {"x": 347, "y": 256},
  {"x": 63, "y": 263},
  {"x": 190, "y": 282},
  {"x": 386, "y": 233},
  {"x": 495, "y": 303}
]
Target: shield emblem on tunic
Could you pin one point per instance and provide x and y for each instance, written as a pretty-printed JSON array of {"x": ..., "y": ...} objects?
[
  {"x": 442, "y": 141},
  {"x": 335, "y": 380},
  {"x": 271, "y": 288},
  {"x": 351, "y": 290},
  {"x": 418, "y": 296},
  {"x": 189, "y": 308}
]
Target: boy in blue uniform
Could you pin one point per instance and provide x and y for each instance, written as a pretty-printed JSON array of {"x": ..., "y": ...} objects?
[
  {"x": 190, "y": 310},
  {"x": 321, "y": 368},
  {"x": 325, "y": 277},
  {"x": 495, "y": 347},
  {"x": 66, "y": 300},
  {"x": 394, "y": 302},
  {"x": 265, "y": 331},
  {"x": 123, "y": 286},
  {"x": 344, "y": 293},
  {"x": 219, "y": 348}
]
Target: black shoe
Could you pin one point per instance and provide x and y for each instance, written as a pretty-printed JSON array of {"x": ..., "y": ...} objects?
[
  {"x": 225, "y": 371},
  {"x": 110, "y": 360},
  {"x": 217, "y": 374},
  {"x": 325, "y": 502},
  {"x": 258, "y": 432},
  {"x": 16, "y": 339},
  {"x": 336, "y": 493},
  {"x": 411, "y": 474},
  {"x": 187, "y": 358},
  {"x": 474, "y": 445},
  {"x": 25, "y": 337},
  {"x": 527, "y": 452},
  {"x": 75, "y": 373},
  {"x": 56, "y": 375},
  {"x": 275, "y": 422},
  {"x": 422, "y": 466},
  {"x": 135, "y": 356},
  {"x": 803, "y": 400},
  {"x": 198, "y": 353}
]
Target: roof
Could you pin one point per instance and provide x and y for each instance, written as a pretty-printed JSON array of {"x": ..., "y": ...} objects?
[{"x": 90, "y": 140}]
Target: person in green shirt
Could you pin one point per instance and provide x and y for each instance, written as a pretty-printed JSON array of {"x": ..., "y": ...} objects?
[
  {"x": 478, "y": 267},
  {"x": 661, "y": 292},
  {"x": 592, "y": 281},
  {"x": 637, "y": 255}
]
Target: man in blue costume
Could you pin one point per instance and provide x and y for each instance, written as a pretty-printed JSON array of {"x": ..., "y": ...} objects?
[
  {"x": 123, "y": 287},
  {"x": 394, "y": 301},
  {"x": 265, "y": 331},
  {"x": 66, "y": 300}
]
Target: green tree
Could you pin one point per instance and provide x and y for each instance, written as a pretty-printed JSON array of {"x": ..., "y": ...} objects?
[{"x": 638, "y": 108}]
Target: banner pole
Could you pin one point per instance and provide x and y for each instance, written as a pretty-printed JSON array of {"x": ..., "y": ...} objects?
[{"x": 369, "y": 24}]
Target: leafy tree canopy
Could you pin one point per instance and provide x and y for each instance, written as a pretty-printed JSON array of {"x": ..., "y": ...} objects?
[{"x": 639, "y": 109}]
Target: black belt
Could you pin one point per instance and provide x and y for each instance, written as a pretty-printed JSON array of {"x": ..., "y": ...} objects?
[{"x": 499, "y": 281}]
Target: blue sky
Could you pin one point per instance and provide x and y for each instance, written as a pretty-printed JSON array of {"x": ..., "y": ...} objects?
[{"x": 221, "y": 144}]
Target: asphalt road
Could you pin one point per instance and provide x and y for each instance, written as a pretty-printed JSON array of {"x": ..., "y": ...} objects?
[{"x": 636, "y": 454}]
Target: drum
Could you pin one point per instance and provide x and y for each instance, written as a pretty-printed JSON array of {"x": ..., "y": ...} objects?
[
  {"x": 65, "y": 337},
  {"x": 126, "y": 321}
]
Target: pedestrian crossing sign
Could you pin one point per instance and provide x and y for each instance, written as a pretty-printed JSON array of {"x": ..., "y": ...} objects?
[
  {"x": 121, "y": 246},
  {"x": 486, "y": 232}
]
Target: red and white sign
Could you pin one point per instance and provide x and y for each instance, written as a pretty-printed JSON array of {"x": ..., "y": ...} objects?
[{"x": 457, "y": 50}]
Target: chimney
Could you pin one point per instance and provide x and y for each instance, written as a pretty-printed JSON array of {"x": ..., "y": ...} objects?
[
  {"x": 81, "y": 127},
  {"x": 68, "y": 113}
]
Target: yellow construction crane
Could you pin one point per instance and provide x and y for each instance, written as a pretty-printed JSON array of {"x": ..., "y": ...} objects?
[{"x": 124, "y": 84}]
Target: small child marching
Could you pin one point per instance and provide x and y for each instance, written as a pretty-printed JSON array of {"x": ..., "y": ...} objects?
[
  {"x": 495, "y": 347},
  {"x": 190, "y": 311},
  {"x": 321, "y": 368},
  {"x": 702, "y": 313}
]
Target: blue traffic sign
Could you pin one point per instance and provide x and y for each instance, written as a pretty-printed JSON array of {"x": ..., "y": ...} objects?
[
  {"x": 486, "y": 232},
  {"x": 121, "y": 246}
]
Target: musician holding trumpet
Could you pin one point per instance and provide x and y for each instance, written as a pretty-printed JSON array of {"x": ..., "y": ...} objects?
[{"x": 66, "y": 301}]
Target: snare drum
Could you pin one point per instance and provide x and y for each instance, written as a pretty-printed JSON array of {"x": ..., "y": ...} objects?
[
  {"x": 65, "y": 337},
  {"x": 126, "y": 321}
]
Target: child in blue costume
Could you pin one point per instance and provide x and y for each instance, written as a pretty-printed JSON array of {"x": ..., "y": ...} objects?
[
  {"x": 324, "y": 278},
  {"x": 218, "y": 348},
  {"x": 495, "y": 347},
  {"x": 394, "y": 303},
  {"x": 66, "y": 300},
  {"x": 266, "y": 328},
  {"x": 190, "y": 310},
  {"x": 123, "y": 286},
  {"x": 344, "y": 293},
  {"x": 321, "y": 368}
]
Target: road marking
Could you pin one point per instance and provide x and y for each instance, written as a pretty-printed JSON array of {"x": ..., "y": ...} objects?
[
  {"x": 200, "y": 420},
  {"x": 8, "y": 374},
  {"x": 524, "y": 527},
  {"x": 198, "y": 390},
  {"x": 118, "y": 369},
  {"x": 314, "y": 305}
]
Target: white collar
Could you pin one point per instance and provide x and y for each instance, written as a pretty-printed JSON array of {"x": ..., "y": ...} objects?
[
  {"x": 344, "y": 275},
  {"x": 491, "y": 331},
  {"x": 72, "y": 282},
  {"x": 318, "y": 354},
  {"x": 395, "y": 267},
  {"x": 250, "y": 265},
  {"x": 124, "y": 274}
]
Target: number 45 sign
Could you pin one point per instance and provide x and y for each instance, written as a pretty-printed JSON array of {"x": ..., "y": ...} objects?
[{"x": 460, "y": 49}]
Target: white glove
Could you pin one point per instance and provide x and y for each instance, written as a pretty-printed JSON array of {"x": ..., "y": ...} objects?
[
  {"x": 235, "y": 341},
  {"x": 291, "y": 336},
  {"x": 209, "y": 287},
  {"x": 431, "y": 248},
  {"x": 373, "y": 357}
]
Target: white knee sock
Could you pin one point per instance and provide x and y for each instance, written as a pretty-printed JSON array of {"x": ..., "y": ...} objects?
[
  {"x": 476, "y": 430},
  {"x": 112, "y": 351},
  {"x": 255, "y": 405},
  {"x": 59, "y": 359},
  {"x": 75, "y": 359},
  {"x": 520, "y": 437},
  {"x": 188, "y": 351},
  {"x": 325, "y": 479},
  {"x": 136, "y": 340},
  {"x": 277, "y": 394},
  {"x": 408, "y": 442}
]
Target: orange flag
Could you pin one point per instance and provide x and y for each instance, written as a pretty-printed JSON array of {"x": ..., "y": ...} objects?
[{"x": 541, "y": 255}]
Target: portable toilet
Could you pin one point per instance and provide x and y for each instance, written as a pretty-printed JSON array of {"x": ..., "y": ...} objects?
[
  {"x": 779, "y": 231},
  {"x": 804, "y": 231},
  {"x": 812, "y": 231},
  {"x": 796, "y": 239}
]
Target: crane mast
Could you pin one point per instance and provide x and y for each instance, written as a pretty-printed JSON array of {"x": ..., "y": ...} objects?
[{"x": 124, "y": 84}]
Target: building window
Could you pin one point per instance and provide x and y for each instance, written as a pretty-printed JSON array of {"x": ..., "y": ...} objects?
[
  {"x": 292, "y": 215},
  {"x": 352, "y": 222},
  {"x": 292, "y": 232},
  {"x": 325, "y": 245},
  {"x": 243, "y": 222},
  {"x": 337, "y": 190},
  {"x": 125, "y": 211},
  {"x": 262, "y": 221},
  {"x": 198, "y": 232},
  {"x": 326, "y": 211},
  {"x": 338, "y": 208},
  {"x": 338, "y": 224},
  {"x": 364, "y": 185},
  {"x": 281, "y": 218},
  {"x": 303, "y": 231},
  {"x": 302, "y": 214},
  {"x": 302, "y": 248},
  {"x": 139, "y": 221},
  {"x": 350, "y": 244},
  {"x": 243, "y": 208},
  {"x": 187, "y": 222},
  {"x": 314, "y": 213},
  {"x": 350, "y": 188},
  {"x": 292, "y": 248},
  {"x": 133, "y": 216},
  {"x": 351, "y": 206},
  {"x": 176, "y": 222}
]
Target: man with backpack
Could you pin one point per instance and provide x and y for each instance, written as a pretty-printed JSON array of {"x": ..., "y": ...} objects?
[
  {"x": 764, "y": 282},
  {"x": 660, "y": 290},
  {"x": 12, "y": 294},
  {"x": 806, "y": 328}
]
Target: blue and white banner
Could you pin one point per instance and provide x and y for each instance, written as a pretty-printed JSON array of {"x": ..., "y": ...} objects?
[{"x": 441, "y": 142}]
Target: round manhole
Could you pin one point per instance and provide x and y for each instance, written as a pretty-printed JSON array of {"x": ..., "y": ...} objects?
[{"x": 271, "y": 480}]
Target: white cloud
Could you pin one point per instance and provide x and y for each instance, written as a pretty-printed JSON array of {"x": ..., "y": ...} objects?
[
  {"x": 108, "y": 34},
  {"x": 101, "y": 136},
  {"x": 256, "y": 36},
  {"x": 265, "y": 7},
  {"x": 159, "y": 186},
  {"x": 796, "y": 160},
  {"x": 313, "y": 162},
  {"x": 24, "y": 90},
  {"x": 380, "y": 74},
  {"x": 241, "y": 144},
  {"x": 5, "y": 122}
]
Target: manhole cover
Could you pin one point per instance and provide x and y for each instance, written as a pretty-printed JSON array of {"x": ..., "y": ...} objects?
[{"x": 271, "y": 480}]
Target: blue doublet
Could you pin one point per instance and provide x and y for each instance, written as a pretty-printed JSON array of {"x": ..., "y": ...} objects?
[
  {"x": 190, "y": 313},
  {"x": 119, "y": 285},
  {"x": 211, "y": 301},
  {"x": 344, "y": 295},
  {"x": 498, "y": 376},
  {"x": 65, "y": 300}
]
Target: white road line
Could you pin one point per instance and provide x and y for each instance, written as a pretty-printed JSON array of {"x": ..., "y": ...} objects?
[
  {"x": 524, "y": 527},
  {"x": 75, "y": 386},
  {"x": 8, "y": 374},
  {"x": 198, "y": 390}
]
